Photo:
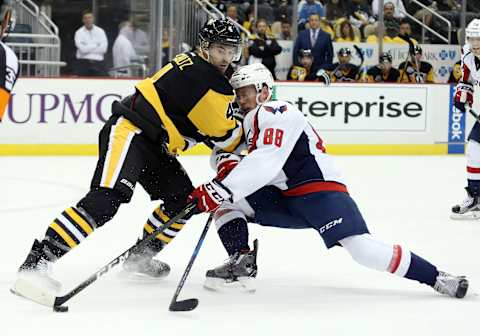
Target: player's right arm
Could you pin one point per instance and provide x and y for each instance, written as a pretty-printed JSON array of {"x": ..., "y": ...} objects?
[{"x": 464, "y": 89}]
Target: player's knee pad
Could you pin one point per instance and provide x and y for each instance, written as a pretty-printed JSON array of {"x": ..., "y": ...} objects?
[
  {"x": 226, "y": 214},
  {"x": 101, "y": 204}
]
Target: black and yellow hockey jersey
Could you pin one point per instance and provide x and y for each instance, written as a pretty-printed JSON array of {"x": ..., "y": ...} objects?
[
  {"x": 375, "y": 75},
  {"x": 300, "y": 73},
  {"x": 344, "y": 72},
  {"x": 409, "y": 74},
  {"x": 190, "y": 100}
]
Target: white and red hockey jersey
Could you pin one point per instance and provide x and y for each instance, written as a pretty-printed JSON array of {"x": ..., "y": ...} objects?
[
  {"x": 284, "y": 151},
  {"x": 470, "y": 66}
]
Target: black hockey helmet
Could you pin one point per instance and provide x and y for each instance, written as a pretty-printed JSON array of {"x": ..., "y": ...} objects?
[
  {"x": 385, "y": 57},
  {"x": 344, "y": 52},
  {"x": 305, "y": 53},
  {"x": 221, "y": 31}
]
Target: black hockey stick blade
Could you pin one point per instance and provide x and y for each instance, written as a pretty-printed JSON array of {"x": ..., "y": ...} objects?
[
  {"x": 183, "y": 305},
  {"x": 189, "y": 304}
]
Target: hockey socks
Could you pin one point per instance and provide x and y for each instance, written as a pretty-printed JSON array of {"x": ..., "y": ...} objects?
[
  {"x": 156, "y": 220},
  {"x": 234, "y": 235},
  {"x": 422, "y": 271},
  {"x": 372, "y": 253},
  {"x": 68, "y": 230}
]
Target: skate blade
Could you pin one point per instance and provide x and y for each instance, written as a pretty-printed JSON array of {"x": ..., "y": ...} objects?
[
  {"x": 244, "y": 284},
  {"x": 29, "y": 291},
  {"x": 472, "y": 215}
]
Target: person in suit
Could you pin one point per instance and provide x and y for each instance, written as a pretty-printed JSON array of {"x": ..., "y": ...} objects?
[{"x": 317, "y": 41}]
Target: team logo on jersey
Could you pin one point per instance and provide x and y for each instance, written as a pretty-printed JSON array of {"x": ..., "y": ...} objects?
[{"x": 274, "y": 110}]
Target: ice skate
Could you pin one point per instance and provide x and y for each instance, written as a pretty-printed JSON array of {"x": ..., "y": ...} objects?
[
  {"x": 469, "y": 209},
  {"x": 454, "y": 286},
  {"x": 34, "y": 276},
  {"x": 142, "y": 265},
  {"x": 239, "y": 271}
]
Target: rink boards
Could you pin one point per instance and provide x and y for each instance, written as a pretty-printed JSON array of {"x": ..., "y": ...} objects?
[{"x": 64, "y": 116}]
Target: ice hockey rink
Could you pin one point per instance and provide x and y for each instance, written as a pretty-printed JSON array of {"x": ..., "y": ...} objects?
[{"x": 302, "y": 288}]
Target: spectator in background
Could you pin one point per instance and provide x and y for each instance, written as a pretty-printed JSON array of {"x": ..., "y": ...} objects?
[
  {"x": 346, "y": 33},
  {"x": 384, "y": 72},
  {"x": 392, "y": 24},
  {"x": 123, "y": 51},
  {"x": 91, "y": 42},
  {"x": 359, "y": 13},
  {"x": 140, "y": 40},
  {"x": 415, "y": 70},
  {"x": 263, "y": 47},
  {"x": 456, "y": 73},
  {"x": 309, "y": 8},
  {"x": 334, "y": 10},
  {"x": 343, "y": 70},
  {"x": 303, "y": 71},
  {"x": 399, "y": 8},
  {"x": 265, "y": 11},
  {"x": 283, "y": 11},
  {"x": 405, "y": 32},
  {"x": 232, "y": 14},
  {"x": 317, "y": 41},
  {"x": 285, "y": 31}
]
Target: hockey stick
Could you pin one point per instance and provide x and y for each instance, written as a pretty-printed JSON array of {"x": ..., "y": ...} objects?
[
  {"x": 189, "y": 304},
  {"x": 362, "y": 59},
  {"x": 47, "y": 299}
]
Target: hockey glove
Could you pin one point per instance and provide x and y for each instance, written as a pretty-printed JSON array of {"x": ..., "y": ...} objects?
[
  {"x": 210, "y": 196},
  {"x": 225, "y": 162},
  {"x": 463, "y": 96}
]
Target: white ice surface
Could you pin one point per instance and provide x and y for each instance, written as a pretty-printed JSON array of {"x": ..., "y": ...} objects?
[{"x": 302, "y": 288}]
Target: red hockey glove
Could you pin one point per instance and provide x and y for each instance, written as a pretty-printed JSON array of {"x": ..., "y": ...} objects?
[
  {"x": 210, "y": 196},
  {"x": 225, "y": 162},
  {"x": 463, "y": 96}
]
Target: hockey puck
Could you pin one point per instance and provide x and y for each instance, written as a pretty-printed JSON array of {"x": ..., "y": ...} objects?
[{"x": 60, "y": 309}]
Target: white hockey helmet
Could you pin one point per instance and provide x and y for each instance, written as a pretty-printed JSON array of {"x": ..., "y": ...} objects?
[
  {"x": 472, "y": 33},
  {"x": 253, "y": 74},
  {"x": 473, "y": 28}
]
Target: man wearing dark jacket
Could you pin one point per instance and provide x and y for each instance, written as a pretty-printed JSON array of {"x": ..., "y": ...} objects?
[
  {"x": 264, "y": 46},
  {"x": 317, "y": 41}
]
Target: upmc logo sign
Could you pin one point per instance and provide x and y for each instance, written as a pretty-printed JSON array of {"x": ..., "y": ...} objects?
[{"x": 360, "y": 108}]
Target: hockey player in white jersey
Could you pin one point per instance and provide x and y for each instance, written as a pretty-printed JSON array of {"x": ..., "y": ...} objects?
[
  {"x": 287, "y": 180},
  {"x": 470, "y": 65}
]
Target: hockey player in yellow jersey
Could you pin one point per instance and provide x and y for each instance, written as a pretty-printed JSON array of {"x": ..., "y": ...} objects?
[
  {"x": 415, "y": 70},
  {"x": 8, "y": 63},
  {"x": 186, "y": 102}
]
